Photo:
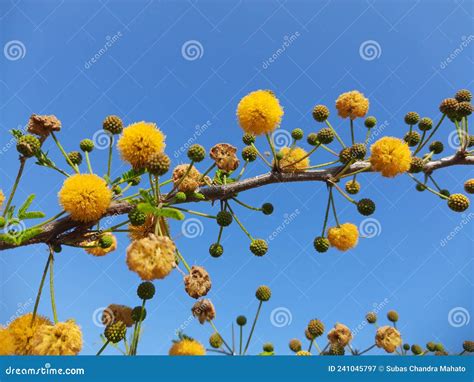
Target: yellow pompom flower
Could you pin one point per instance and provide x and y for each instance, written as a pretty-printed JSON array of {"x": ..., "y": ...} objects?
[
  {"x": 291, "y": 159},
  {"x": 7, "y": 344},
  {"x": 2, "y": 199},
  {"x": 343, "y": 237},
  {"x": 22, "y": 332},
  {"x": 152, "y": 257},
  {"x": 64, "y": 338},
  {"x": 390, "y": 156},
  {"x": 259, "y": 112},
  {"x": 139, "y": 141},
  {"x": 96, "y": 250},
  {"x": 85, "y": 197},
  {"x": 388, "y": 338},
  {"x": 352, "y": 104},
  {"x": 187, "y": 347}
]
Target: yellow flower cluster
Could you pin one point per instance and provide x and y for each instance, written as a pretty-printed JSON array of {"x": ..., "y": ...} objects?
[
  {"x": 390, "y": 156},
  {"x": 18, "y": 336},
  {"x": 352, "y": 104},
  {"x": 85, "y": 197},
  {"x": 139, "y": 141},
  {"x": 187, "y": 347},
  {"x": 292, "y": 161},
  {"x": 64, "y": 338},
  {"x": 388, "y": 338},
  {"x": 98, "y": 251},
  {"x": 152, "y": 257},
  {"x": 343, "y": 237},
  {"x": 259, "y": 112}
]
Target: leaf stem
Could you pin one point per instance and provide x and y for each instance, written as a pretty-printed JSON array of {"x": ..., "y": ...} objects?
[{"x": 253, "y": 326}]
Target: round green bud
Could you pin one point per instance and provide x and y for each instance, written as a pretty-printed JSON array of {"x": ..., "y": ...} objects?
[
  {"x": 86, "y": 145},
  {"x": 458, "y": 202},
  {"x": 448, "y": 106},
  {"x": 216, "y": 250},
  {"x": 297, "y": 134},
  {"x": 439, "y": 347},
  {"x": 75, "y": 157},
  {"x": 137, "y": 314},
  {"x": 320, "y": 113},
  {"x": 241, "y": 320},
  {"x": 345, "y": 155},
  {"x": 312, "y": 139},
  {"x": 463, "y": 95},
  {"x": 325, "y": 136},
  {"x": 417, "y": 165},
  {"x": 249, "y": 153},
  {"x": 180, "y": 197},
  {"x": 464, "y": 109},
  {"x": 468, "y": 346},
  {"x": 259, "y": 247},
  {"x": 316, "y": 328},
  {"x": 437, "y": 147},
  {"x": 406, "y": 347},
  {"x": 425, "y": 124},
  {"x": 370, "y": 122},
  {"x": 117, "y": 190},
  {"x": 268, "y": 347},
  {"x": 412, "y": 118},
  {"x": 28, "y": 145},
  {"x": 321, "y": 244},
  {"x": 115, "y": 332},
  {"x": 416, "y": 349},
  {"x": 248, "y": 139},
  {"x": 469, "y": 186},
  {"x": 146, "y": 290},
  {"x": 366, "y": 207},
  {"x": 352, "y": 187},
  {"x": 420, "y": 187},
  {"x": 358, "y": 151},
  {"x": 371, "y": 317},
  {"x": 57, "y": 248},
  {"x": 135, "y": 181},
  {"x": 158, "y": 164},
  {"x": 196, "y": 153},
  {"x": 267, "y": 208},
  {"x": 431, "y": 346},
  {"x": 263, "y": 293},
  {"x": 106, "y": 241},
  {"x": 215, "y": 340},
  {"x": 295, "y": 345},
  {"x": 113, "y": 124},
  {"x": 224, "y": 218},
  {"x": 392, "y": 316},
  {"x": 413, "y": 138},
  {"x": 136, "y": 217}
]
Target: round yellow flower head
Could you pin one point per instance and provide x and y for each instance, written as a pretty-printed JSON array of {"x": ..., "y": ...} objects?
[
  {"x": 292, "y": 161},
  {"x": 343, "y": 237},
  {"x": 2, "y": 199},
  {"x": 303, "y": 353},
  {"x": 7, "y": 344},
  {"x": 352, "y": 104},
  {"x": 139, "y": 141},
  {"x": 97, "y": 250},
  {"x": 390, "y": 156},
  {"x": 388, "y": 338},
  {"x": 340, "y": 335},
  {"x": 85, "y": 197},
  {"x": 152, "y": 257},
  {"x": 64, "y": 338},
  {"x": 190, "y": 182},
  {"x": 22, "y": 332},
  {"x": 259, "y": 112},
  {"x": 187, "y": 347}
]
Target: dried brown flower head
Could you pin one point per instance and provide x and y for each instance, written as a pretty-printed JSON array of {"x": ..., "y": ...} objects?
[
  {"x": 225, "y": 157},
  {"x": 197, "y": 283}
]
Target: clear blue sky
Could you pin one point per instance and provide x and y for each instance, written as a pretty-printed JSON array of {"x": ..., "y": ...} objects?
[{"x": 143, "y": 75}]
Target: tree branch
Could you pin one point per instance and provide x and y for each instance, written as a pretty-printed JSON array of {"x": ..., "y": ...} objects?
[{"x": 67, "y": 230}]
